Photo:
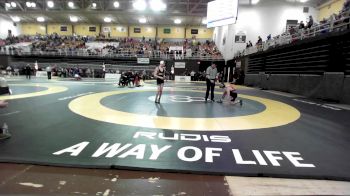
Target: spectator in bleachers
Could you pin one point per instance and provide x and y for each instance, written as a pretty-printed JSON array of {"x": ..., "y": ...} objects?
[
  {"x": 269, "y": 37},
  {"x": 128, "y": 47},
  {"x": 301, "y": 25},
  {"x": 310, "y": 22},
  {"x": 292, "y": 30},
  {"x": 259, "y": 40},
  {"x": 9, "y": 70},
  {"x": 259, "y": 44},
  {"x": 346, "y": 6}
]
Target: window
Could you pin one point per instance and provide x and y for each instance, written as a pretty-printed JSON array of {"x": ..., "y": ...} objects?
[
  {"x": 167, "y": 31},
  {"x": 194, "y": 31},
  {"x": 63, "y": 28},
  {"x": 137, "y": 30},
  {"x": 92, "y": 29}
]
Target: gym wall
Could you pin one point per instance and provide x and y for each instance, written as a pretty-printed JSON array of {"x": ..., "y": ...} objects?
[
  {"x": 329, "y": 8},
  {"x": 6, "y": 25},
  {"x": 142, "y": 31},
  {"x": 87, "y": 29},
  {"x": 33, "y": 29},
  {"x": 114, "y": 30},
  {"x": 60, "y": 29},
  {"x": 171, "y": 32}
]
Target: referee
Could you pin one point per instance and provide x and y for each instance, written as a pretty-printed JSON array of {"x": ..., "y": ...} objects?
[{"x": 211, "y": 76}]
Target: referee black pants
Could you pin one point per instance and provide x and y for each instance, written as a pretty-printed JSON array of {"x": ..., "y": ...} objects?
[{"x": 210, "y": 86}]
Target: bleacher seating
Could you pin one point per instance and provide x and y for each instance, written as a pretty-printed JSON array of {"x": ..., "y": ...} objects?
[{"x": 112, "y": 48}]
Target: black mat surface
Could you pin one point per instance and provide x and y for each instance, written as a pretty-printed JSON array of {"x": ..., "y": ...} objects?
[{"x": 42, "y": 126}]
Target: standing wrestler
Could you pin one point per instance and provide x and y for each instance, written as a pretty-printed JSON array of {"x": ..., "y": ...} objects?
[{"x": 159, "y": 74}]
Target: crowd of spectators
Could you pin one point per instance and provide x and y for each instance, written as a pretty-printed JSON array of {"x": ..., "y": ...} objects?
[
  {"x": 71, "y": 71},
  {"x": 127, "y": 47},
  {"x": 165, "y": 49},
  {"x": 55, "y": 43}
]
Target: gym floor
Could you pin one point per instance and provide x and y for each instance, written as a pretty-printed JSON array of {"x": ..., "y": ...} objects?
[{"x": 119, "y": 138}]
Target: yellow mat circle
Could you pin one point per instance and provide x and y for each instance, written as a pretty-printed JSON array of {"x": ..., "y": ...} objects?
[
  {"x": 275, "y": 114},
  {"x": 49, "y": 90}
]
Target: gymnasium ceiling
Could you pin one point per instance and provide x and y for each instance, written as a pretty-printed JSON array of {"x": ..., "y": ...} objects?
[{"x": 191, "y": 12}]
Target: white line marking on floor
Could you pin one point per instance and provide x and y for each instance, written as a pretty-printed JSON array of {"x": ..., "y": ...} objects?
[
  {"x": 31, "y": 184},
  {"x": 341, "y": 106},
  {"x": 290, "y": 95},
  {"x": 7, "y": 114},
  {"x": 74, "y": 96},
  {"x": 318, "y": 104}
]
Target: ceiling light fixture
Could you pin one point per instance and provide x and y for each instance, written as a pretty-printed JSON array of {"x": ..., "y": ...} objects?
[
  {"x": 140, "y": 5},
  {"x": 8, "y": 5},
  {"x": 16, "y": 19},
  {"x": 303, "y": 1},
  {"x": 70, "y": 4},
  {"x": 142, "y": 20},
  {"x": 13, "y": 4},
  {"x": 93, "y": 5},
  {"x": 50, "y": 4},
  {"x": 204, "y": 21},
  {"x": 177, "y": 21},
  {"x": 157, "y": 5},
  {"x": 28, "y": 4},
  {"x": 73, "y": 19},
  {"x": 107, "y": 19},
  {"x": 33, "y": 4},
  {"x": 254, "y": 2},
  {"x": 40, "y": 19},
  {"x": 116, "y": 4}
]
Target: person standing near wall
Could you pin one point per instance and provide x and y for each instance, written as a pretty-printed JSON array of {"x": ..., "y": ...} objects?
[
  {"x": 310, "y": 23},
  {"x": 144, "y": 75},
  {"x": 159, "y": 74},
  {"x": 48, "y": 70},
  {"x": 36, "y": 67},
  {"x": 211, "y": 76},
  {"x": 28, "y": 71},
  {"x": 103, "y": 70},
  {"x": 192, "y": 75}
]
